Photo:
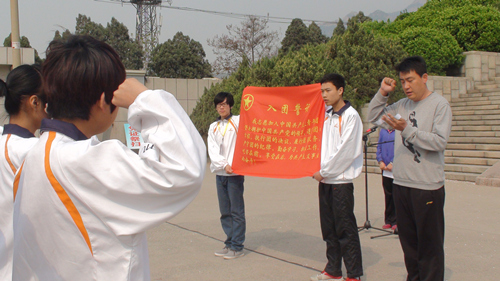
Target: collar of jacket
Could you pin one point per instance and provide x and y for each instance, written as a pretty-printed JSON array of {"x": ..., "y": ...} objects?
[
  {"x": 227, "y": 118},
  {"x": 62, "y": 127},
  {"x": 341, "y": 111},
  {"x": 17, "y": 130}
]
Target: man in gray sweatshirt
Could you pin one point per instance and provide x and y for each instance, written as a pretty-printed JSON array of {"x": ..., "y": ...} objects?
[{"x": 422, "y": 132}]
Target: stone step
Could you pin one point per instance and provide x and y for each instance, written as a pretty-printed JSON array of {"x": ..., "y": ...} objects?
[
  {"x": 480, "y": 93},
  {"x": 474, "y": 134},
  {"x": 490, "y": 82},
  {"x": 470, "y": 161},
  {"x": 472, "y": 153},
  {"x": 475, "y": 122},
  {"x": 467, "y": 99},
  {"x": 460, "y": 176},
  {"x": 477, "y": 112},
  {"x": 486, "y": 85},
  {"x": 475, "y": 128},
  {"x": 470, "y": 140},
  {"x": 473, "y": 146},
  {"x": 473, "y": 169},
  {"x": 484, "y": 91},
  {"x": 455, "y": 104},
  {"x": 476, "y": 117},
  {"x": 475, "y": 107}
]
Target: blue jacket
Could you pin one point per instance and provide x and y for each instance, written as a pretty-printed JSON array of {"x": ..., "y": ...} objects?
[{"x": 385, "y": 151}]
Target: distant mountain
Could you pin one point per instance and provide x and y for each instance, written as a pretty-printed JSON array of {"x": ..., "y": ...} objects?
[
  {"x": 377, "y": 15},
  {"x": 380, "y": 15}
]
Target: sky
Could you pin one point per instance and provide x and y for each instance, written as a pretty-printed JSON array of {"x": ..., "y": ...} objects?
[{"x": 40, "y": 19}]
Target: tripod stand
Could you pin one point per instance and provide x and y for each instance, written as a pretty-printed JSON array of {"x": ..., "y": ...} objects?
[{"x": 367, "y": 225}]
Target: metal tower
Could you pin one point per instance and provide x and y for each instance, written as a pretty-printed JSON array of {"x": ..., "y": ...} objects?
[{"x": 147, "y": 25}]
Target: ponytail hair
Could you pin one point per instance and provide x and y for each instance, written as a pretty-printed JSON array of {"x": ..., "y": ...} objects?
[{"x": 22, "y": 82}]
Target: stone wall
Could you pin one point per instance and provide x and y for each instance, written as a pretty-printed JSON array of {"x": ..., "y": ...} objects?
[
  {"x": 481, "y": 66},
  {"x": 187, "y": 91}
]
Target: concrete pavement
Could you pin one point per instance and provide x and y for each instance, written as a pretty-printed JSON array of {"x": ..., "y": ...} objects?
[{"x": 283, "y": 240}]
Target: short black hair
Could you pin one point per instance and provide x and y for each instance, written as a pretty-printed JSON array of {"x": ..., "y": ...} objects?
[
  {"x": 22, "y": 82},
  {"x": 415, "y": 63},
  {"x": 336, "y": 79},
  {"x": 220, "y": 97},
  {"x": 76, "y": 73}
]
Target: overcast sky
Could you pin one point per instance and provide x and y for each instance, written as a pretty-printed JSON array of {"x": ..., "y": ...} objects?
[{"x": 39, "y": 19}]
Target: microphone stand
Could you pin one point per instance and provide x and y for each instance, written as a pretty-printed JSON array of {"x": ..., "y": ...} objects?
[{"x": 367, "y": 225}]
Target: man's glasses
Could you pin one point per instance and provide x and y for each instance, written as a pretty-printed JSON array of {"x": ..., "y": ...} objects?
[{"x": 222, "y": 104}]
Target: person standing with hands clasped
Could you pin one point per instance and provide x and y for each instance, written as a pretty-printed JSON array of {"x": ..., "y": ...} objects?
[
  {"x": 221, "y": 144},
  {"x": 419, "y": 195},
  {"x": 385, "y": 157},
  {"x": 341, "y": 162}
]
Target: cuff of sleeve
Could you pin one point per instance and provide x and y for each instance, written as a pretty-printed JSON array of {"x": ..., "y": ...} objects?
[{"x": 408, "y": 131}]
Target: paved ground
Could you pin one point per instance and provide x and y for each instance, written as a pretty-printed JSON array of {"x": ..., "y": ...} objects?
[{"x": 284, "y": 240}]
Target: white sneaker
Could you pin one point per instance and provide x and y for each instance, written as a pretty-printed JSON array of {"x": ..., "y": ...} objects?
[
  {"x": 222, "y": 252},
  {"x": 325, "y": 276},
  {"x": 232, "y": 254}
]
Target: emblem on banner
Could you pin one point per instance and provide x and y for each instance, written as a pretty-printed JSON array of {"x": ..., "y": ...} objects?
[{"x": 248, "y": 101}]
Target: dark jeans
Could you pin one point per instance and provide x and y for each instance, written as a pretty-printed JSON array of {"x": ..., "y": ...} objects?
[
  {"x": 420, "y": 218},
  {"x": 339, "y": 229},
  {"x": 390, "y": 209},
  {"x": 232, "y": 210}
]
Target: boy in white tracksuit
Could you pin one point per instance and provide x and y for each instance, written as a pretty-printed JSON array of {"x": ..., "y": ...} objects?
[
  {"x": 221, "y": 144},
  {"x": 341, "y": 162},
  {"x": 82, "y": 207}
]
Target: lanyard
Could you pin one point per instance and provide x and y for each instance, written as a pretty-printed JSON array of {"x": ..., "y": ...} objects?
[{"x": 225, "y": 129}]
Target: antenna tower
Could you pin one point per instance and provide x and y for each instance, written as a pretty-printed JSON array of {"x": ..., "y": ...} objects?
[{"x": 147, "y": 25}]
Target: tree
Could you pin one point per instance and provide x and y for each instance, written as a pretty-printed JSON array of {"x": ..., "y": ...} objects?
[
  {"x": 25, "y": 43},
  {"x": 355, "y": 20},
  {"x": 180, "y": 57},
  {"x": 251, "y": 40},
  {"x": 65, "y": 35},
  {"x": 116, "y": 35},
  {"x": 364, "y": 60},
  {"x": 439, "y": 49},
  {"x": 130, "y": 50},
  {"x": 315, "y": 34},
  {"x": 296, "y": 36},
  {"x": 340, "y": 29}
]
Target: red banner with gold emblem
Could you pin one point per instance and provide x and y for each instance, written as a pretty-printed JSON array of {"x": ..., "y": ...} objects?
[{"x": 279, "y": 134}]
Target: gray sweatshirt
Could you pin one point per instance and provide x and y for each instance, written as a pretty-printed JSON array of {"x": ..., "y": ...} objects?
[{"x": 419, "y": 148}]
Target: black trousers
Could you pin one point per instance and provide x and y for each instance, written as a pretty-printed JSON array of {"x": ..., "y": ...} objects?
[
  {"x": 390, "y": 209},
  {"x": 339, "y": 229},
  {"x": 420, "y": 219}
]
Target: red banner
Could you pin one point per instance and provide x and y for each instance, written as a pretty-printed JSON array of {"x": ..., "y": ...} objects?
[{"x": 279, "y": 135}]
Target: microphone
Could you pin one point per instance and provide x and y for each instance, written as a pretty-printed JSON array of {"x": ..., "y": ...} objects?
[{"x": 372, "y": 129}]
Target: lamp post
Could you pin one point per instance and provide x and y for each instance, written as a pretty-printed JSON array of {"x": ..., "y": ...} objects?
[{"x": 15, "y": 40}]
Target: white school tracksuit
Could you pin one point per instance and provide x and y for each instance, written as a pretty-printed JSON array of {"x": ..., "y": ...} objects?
[
  {"x": 14, "y": 146},
  {"x": 82, "y": 206},
  {"x": 221, "y": 144},
  {"x": 341, "y": 147}
]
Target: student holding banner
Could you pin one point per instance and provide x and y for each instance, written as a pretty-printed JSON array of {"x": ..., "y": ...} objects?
[
  {"x": 221, "y": 143},
  {"x": 341, "y": 162}
]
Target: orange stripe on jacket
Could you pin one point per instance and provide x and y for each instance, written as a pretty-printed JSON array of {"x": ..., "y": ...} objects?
[
  {"x": 63, "y": 196},
  {"x": 234, "y": 126},
  {"x": 14, "y": 170},
  {"x": 16, "y": 180}
]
